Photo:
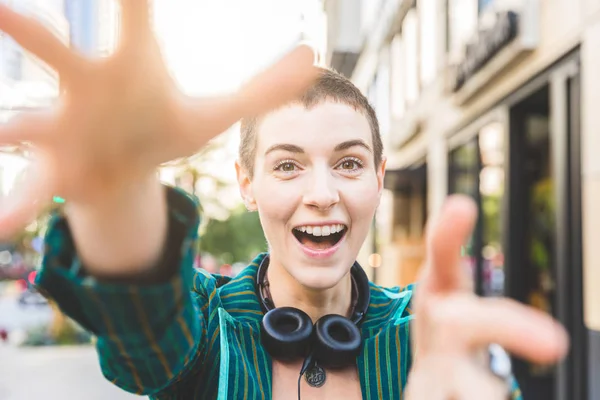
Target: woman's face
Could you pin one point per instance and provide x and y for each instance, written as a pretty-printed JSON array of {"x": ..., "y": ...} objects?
[{"x": 316, "y": 189}]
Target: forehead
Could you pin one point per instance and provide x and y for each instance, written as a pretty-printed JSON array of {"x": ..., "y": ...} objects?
[{"x": 322, "y": 126}]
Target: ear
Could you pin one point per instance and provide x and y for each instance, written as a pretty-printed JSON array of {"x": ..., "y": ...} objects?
[
  {"x": 245, "y": 185},
  {"x": 381, "y": 175}
]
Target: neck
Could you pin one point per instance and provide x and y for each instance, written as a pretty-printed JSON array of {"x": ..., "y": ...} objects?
[{"x": 288, "y": 292}]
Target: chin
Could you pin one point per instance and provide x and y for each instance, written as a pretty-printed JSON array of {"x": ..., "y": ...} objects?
[{"x": 319, "y": 277}]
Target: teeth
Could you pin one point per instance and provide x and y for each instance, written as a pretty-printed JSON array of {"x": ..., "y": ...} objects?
[{"x": 325, "y": 230}]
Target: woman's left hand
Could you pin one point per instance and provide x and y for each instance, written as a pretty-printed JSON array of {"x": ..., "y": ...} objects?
[{"x": 453, "y": 327}]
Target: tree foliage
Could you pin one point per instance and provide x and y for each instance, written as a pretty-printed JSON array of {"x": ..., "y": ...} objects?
[{"x": 236, "y": 239}]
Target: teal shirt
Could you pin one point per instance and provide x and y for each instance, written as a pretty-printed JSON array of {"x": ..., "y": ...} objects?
[{"x": 196, "y": 335}]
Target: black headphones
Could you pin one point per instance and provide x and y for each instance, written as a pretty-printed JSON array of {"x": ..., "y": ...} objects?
[{"x": 334, "y": 341}]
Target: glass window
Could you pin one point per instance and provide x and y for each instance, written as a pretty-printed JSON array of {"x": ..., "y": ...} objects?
[
  {"x": 411, "y": 56},
  {"x": 462, "y": 24},
  {"x": 464, "y": 167},
  {"x": 427, "y": 10},
  {"x": 463, "y": 178},
  {"x": 382, "y": 94},
  {"x": 491, "y": 190},
  {"x": 477, "y": 169},
  {"x": 398, "y": 105}
]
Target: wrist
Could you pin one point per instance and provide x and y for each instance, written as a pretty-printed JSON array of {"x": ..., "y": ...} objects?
[{"x": 123, "y": 230}]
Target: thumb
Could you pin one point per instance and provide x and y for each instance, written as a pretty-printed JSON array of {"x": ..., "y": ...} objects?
[
  {"x": 280, "y": 83},
  {"x": 445, "y": 237}
]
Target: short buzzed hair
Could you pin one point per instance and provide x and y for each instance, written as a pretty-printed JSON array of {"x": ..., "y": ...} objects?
[{"x": 329, "y": 86}]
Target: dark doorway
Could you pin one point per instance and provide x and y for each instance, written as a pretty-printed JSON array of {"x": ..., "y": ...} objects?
[
  {"x": 533, "y": 226},
  {"x": 544, "y": 268}
]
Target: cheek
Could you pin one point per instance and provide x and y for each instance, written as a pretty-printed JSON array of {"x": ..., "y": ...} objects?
[
  {"x": 276, "y": 207},
  {"x": 361, "y": 203}
]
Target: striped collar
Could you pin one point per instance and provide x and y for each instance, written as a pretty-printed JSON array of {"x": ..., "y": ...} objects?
[{"x": 385, "y": 307}]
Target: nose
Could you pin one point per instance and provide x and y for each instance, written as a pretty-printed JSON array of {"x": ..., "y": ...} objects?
[{"x": 321, "y": 191}]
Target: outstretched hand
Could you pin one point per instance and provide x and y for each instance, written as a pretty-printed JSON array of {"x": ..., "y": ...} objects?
[
  {"x": 119, "y": 118},
  {"x": 452, "y": 326}
]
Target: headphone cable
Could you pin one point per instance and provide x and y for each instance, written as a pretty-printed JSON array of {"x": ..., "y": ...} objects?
[{"x": 308, "y": 362}]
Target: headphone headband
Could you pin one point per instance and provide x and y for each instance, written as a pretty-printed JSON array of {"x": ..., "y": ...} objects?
[{"x": 358, "y": 275}]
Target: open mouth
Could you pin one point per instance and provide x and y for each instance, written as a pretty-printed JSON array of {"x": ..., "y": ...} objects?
[{"x": 320, "y": 237}]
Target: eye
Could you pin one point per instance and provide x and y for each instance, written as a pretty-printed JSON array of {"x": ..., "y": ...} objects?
[
  {"x": 286, "y": 166},
  {"x": 350, "y": 164}
]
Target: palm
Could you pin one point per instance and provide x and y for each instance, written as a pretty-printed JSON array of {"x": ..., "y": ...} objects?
[
  {"x": 452, "y": 325},
  {"x": 120, "y": 117}
]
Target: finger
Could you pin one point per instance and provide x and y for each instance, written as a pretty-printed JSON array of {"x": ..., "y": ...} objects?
[
  {"x": 431, "y": 380},
  {"x": 135, "y": 16},
  {"x": 26, "y": 127},
  {"x": 33, "y": 36},
  {"x": 475, "y": 383},
  {"x": 466, "y": 323},
  {"x": 23, "y": 206},
  {"x": 446, "y": 236},
  {"x": 282, "y": 82}
]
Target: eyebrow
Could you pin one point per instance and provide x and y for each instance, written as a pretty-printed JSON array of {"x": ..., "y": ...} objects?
[{"x": 292, "y": 148}]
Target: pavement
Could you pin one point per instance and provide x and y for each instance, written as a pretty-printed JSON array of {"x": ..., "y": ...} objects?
[{"x": 54, "y": 373}]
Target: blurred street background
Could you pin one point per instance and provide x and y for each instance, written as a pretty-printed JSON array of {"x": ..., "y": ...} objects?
[{"x": 495, "y": 99}]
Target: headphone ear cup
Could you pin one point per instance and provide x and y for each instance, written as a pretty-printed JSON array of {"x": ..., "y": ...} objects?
[
  {"x": 337, "y": 341},
  {"x": 286, "y": 333}
]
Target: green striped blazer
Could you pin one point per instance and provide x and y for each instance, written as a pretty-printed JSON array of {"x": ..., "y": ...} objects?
[{"x": 194, "y": 335}]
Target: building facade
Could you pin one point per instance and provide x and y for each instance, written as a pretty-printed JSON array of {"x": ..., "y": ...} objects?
[{"x": 495, "y": 99}]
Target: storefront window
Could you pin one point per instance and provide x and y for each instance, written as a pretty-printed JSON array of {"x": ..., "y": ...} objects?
[
  {"x": 398, "y": 105},
  {"x": 477, "y": 170},
  {"x": 382, "y": 94},
  {"x": 540, "y": 230},
  {"x": 464, "y": 169},
  {"x": 491, "y": 189},
  {"x": 411, "y": 56}
]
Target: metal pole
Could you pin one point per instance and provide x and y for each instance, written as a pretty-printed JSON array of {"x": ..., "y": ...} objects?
[{"x": 374, "y": 247}]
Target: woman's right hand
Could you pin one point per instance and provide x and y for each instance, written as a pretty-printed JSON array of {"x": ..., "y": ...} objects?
[
  {"x": 453, "y": 328},
  {"x": 119, "y": 118}
]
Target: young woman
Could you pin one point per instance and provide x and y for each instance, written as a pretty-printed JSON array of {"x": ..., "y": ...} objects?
[{"x": 302, "y": 319}]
